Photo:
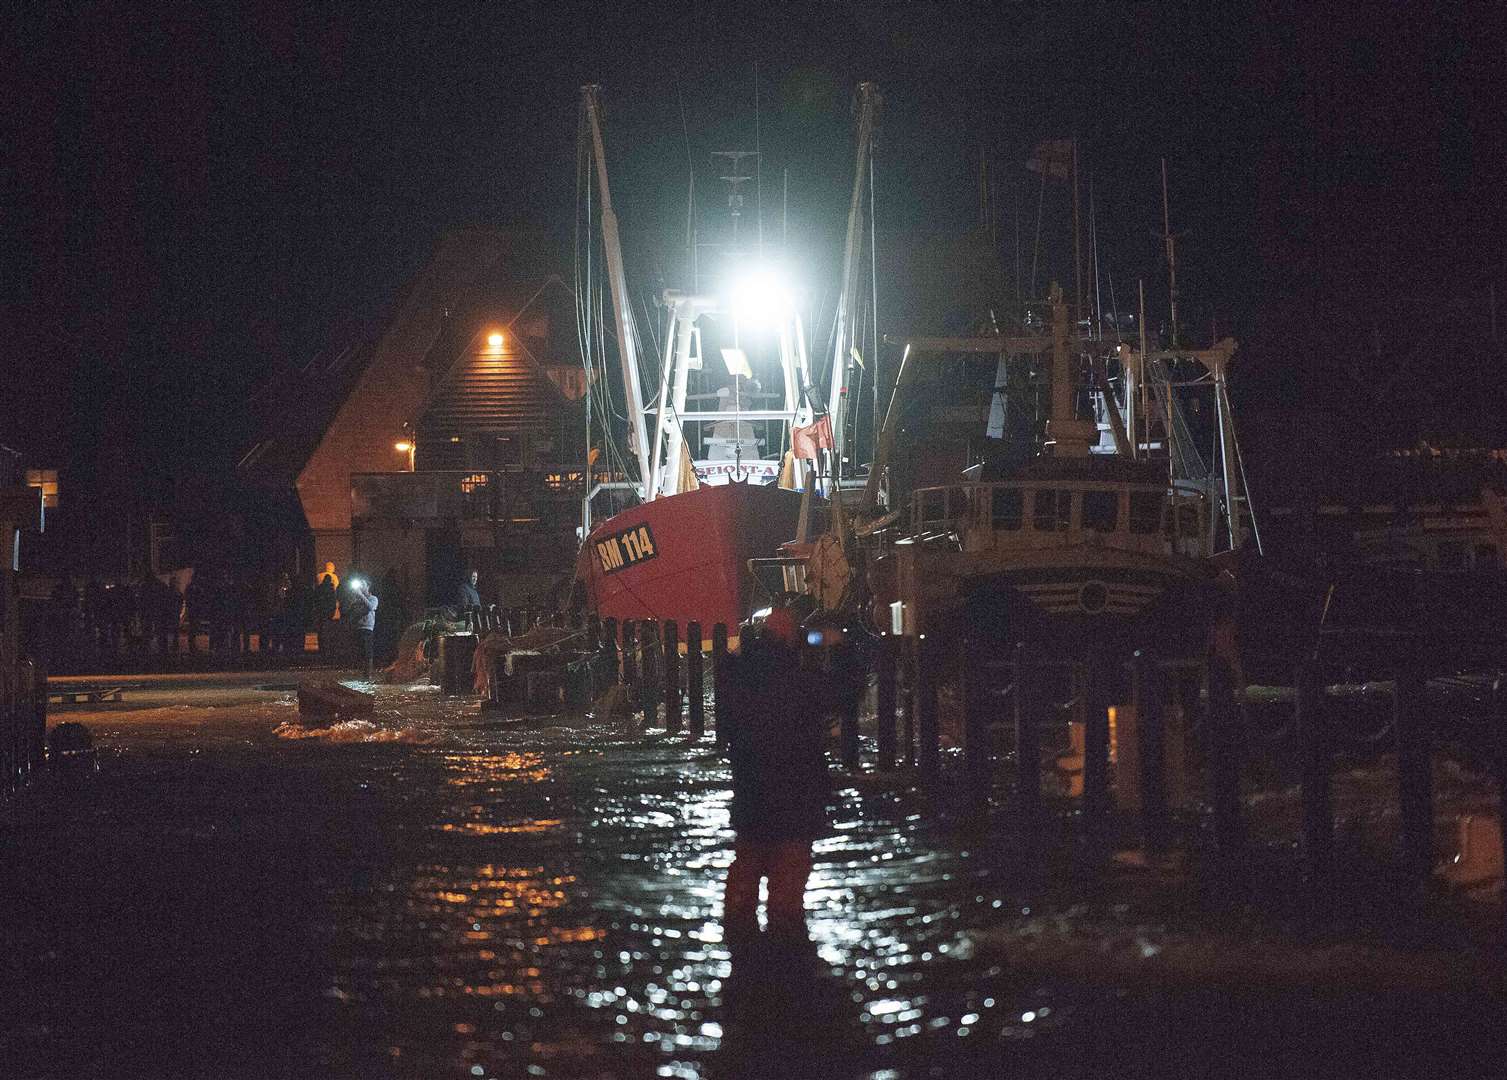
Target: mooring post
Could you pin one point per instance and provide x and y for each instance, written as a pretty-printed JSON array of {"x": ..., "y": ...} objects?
[
  {"x": 593, "y": 633},
  {"x": 606, "y": 666},
  {"x": 1225, "y": 747},
  {"x": 1091, "y": 676},
  {"x": 1318, "y": 803},
  {"x": 847, "y": 730},
  {"x": 672, "y": 678},
  {"x": 928, "y": 752},
  {"x": 1498, "y": 736},
  {"x": 630, "y": 654},
  {"x": 908, "y": 663},
  {"x": 884, "y": 700},
  {"x": 648, "y": 648},
  {"x": 720, "y": 689},
  {"x": 1415, "y": 772},
  {"x": 1027, "y": 736},
  {"x": 978, "y": 747},
  {"x": 1147, "y": 694},
  {"x": 694, "y": 680}
]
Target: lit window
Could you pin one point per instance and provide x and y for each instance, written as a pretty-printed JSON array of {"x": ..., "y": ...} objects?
[
  {"x": 475, "y": 480},
  {"x": 47, "y": 480}
]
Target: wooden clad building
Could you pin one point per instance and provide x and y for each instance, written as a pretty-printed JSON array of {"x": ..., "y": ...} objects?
[{"x": 456, "y": 439}]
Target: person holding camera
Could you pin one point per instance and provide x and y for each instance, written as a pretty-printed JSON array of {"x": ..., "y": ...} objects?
[
  {"x": 365, "y": 610},
  {"x": 776, "y": 709}
]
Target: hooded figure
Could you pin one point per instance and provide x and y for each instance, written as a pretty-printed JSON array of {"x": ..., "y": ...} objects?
[{"x": 777, "y": 717}]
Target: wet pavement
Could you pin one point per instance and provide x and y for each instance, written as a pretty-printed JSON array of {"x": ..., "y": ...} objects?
[{"x": 436, "y": 893}]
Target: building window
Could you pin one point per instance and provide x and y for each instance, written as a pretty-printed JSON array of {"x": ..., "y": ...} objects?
[
  {"x": 47, "y": 480},
  {"x": 473, "y": 481},
  {"x": 1101, "y": 510}
]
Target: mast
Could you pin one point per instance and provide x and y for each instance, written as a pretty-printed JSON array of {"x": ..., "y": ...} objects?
[
  {"x": 638, "y": 437},
  {"x": 847, "y": 301}
]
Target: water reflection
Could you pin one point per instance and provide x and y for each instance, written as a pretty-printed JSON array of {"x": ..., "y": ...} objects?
[{"x": 549, "y": 898}]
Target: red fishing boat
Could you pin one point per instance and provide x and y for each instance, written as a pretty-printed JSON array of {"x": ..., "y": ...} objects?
[
  {"x": 685, "y": 557},
  {"x": 709, "y": 468}
]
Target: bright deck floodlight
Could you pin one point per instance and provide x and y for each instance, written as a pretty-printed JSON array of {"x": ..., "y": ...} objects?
[
  {"x": 494, "y": 339},
  {"x": 760, "y": 297}
]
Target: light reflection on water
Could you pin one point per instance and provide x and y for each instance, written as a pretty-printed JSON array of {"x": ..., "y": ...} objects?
[{"x": 562, "y": 911}]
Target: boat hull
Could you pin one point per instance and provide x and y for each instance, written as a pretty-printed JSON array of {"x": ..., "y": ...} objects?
[
  {"x": 1069, "y": 599},
  {"x": 685, "y": 557}
]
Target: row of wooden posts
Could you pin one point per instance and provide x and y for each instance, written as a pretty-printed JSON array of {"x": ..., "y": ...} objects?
[
  {"x": 907, "y": 732},
  {"x": 23, "y": 728}
]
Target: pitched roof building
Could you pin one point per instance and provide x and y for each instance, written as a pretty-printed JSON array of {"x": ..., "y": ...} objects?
[{"x": 454, "y": 439}]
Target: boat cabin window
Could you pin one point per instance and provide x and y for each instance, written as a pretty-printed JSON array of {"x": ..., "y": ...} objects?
[
  {"x": 1145, "y": 511},
  {"x": 934, "y": 505},
  {"x": 1052, "y": 511},
  {"x": 1182, "y": 521},
  {"x": 1007, "y": 510},
  {"x": 1101, "y": 510},
  {"x": 1487, "y": 557}
]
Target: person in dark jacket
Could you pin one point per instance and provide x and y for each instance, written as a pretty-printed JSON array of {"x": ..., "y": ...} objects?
[
  {"x": 777, "y": 715},
  {"x": 467, "y": 595}
]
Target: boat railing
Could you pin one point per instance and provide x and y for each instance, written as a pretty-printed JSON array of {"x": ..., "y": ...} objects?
[{"x": 1055, "y": 511}]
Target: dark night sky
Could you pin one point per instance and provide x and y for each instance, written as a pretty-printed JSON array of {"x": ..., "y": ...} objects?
[{"x": 197, "y": 196}]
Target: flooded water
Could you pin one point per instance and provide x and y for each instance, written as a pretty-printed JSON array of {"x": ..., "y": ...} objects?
[{"x": 432, "y": 893}]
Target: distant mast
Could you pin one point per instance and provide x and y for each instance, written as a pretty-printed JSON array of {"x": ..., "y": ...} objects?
[{"x": 638, "y": 437}]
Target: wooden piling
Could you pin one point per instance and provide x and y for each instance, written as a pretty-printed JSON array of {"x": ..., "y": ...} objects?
[
  {"x": 593, "y": 633},
  {"x": 673, "y": 706},
  {"x": 1148, "y": 697},
  {"x": 1498, "y": 736},
  {"x": 1317, "y": 760},
  {"x": 629, "y": 666},
  {"x": 847, "y": 731},
  {"x": 1027, "y": 736},
  {"x": 719, "y": 674},
  {"x": 1095, "y": 697},
  {"x": 608, "y": 665},
  {"x": 907, "y": 691},
  {"x": 649, "y": 657},
  {"x": 884, "y": 700},
  {"x": 1415, "y": 773},
  {"x": 695, "y": 679},
  {"x": 978, "y": 743},
  {"x": 928, "y": 749},
  {"x": 1225, "y": 749}
]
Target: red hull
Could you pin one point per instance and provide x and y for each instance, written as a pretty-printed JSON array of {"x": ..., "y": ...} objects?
[{"x": 685, "y": 557}]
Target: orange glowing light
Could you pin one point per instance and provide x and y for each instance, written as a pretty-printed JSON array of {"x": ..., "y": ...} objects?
[
  {"x": 494, "y": 339},
  {"x": 402, "y": 446}
]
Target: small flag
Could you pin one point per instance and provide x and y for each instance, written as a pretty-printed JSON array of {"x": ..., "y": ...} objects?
[{"x": 806, "y": 441}]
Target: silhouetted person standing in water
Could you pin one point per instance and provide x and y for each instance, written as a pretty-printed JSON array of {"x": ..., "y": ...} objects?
[{"x": 777, "y": 714}]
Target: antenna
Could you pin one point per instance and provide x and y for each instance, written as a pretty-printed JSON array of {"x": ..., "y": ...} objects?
[
  {"x": 1093, "y": 240},
  {"x": 734, "y": 177},
  {"x": 1171, "y": 242},
  {"x": 758, "y": 166}
]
